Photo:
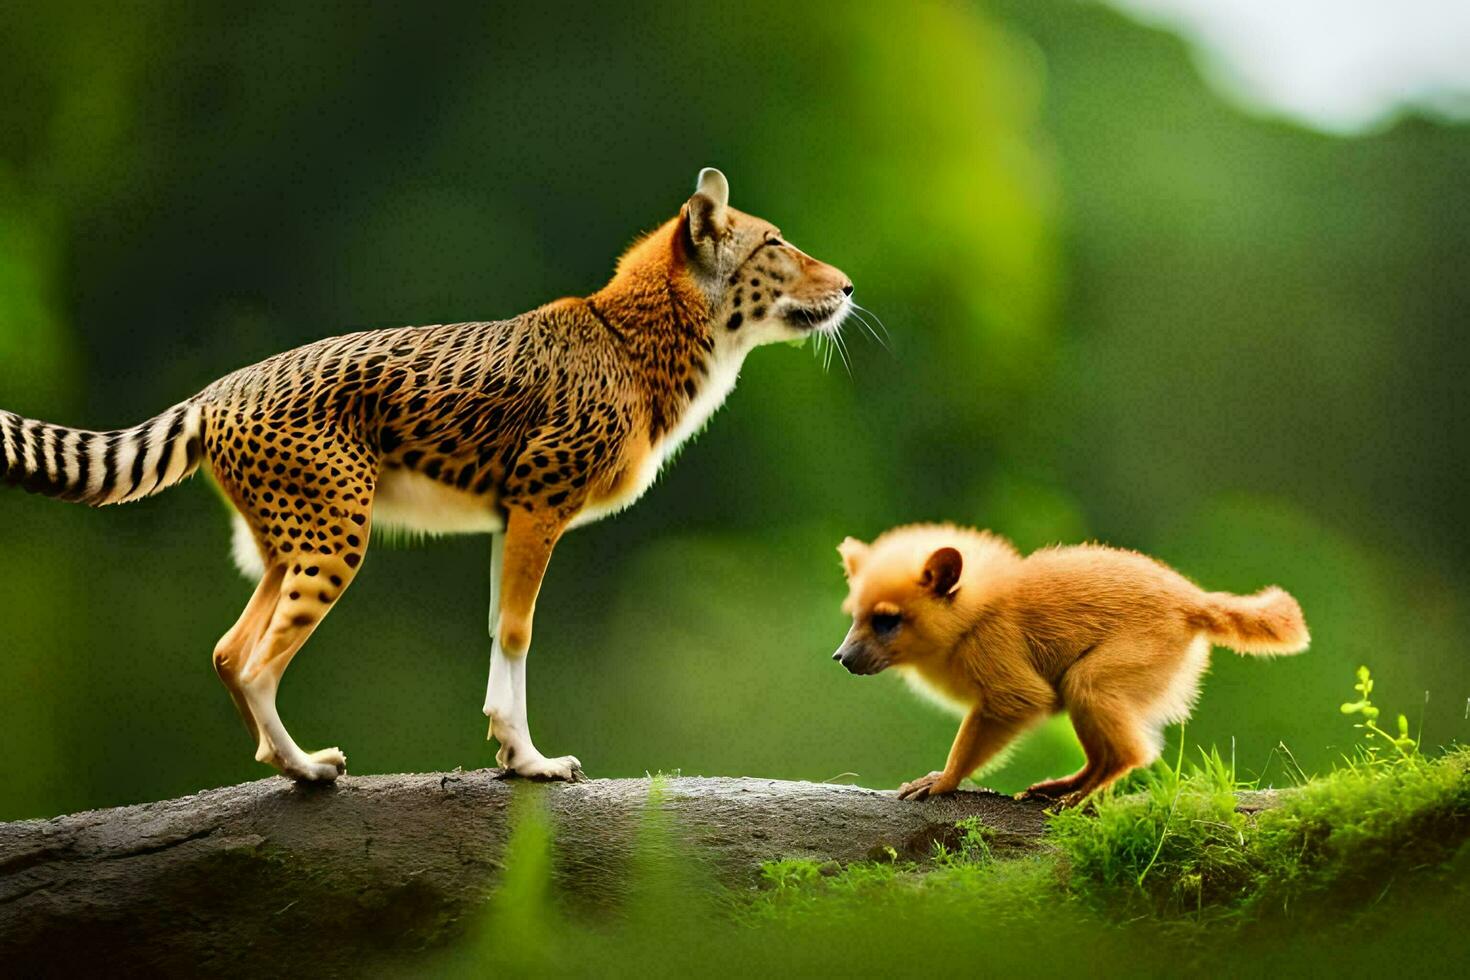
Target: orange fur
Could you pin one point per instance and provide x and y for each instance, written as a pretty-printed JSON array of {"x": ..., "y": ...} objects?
[{"x": 1115, "y": 638}]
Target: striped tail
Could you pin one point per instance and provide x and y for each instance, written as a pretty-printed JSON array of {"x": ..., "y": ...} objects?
[{"x": 100, "y": 468}]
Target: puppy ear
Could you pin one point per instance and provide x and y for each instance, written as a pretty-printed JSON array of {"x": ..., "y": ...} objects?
[
  {"x": 942, "y": 572},
  {"x": 853, "y": 553},
  {"x": 705, "y": 216}
]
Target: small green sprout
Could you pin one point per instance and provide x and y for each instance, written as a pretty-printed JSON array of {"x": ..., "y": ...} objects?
[{"x": 1373, "y": 734}]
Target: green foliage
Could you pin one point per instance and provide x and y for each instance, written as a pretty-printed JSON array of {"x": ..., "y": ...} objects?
[
  {"x": 1182, "y": 846},
  {"x": 527, "y": 922},
  {"x": 1177, "y": 843},
  {"x": 796, "y": 883},
  {"x": 1373, "y": 736},
  {"x": 1362, "y": 828},
  {"x": 1373, "y": 860},
  {"x": 1177, "y": 847},
  {"x": 974, "y": 846}
]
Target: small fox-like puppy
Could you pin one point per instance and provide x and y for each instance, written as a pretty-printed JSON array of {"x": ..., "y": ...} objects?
[{"x": 1113, "y": 637}]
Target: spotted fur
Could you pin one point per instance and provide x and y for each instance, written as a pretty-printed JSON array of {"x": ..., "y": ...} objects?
[{"x": 523, "y": 427}]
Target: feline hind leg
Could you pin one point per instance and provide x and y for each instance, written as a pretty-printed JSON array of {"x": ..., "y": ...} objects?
[
  {"x": 305, "y": 594},
  {"x": 234, "y": 648},
  {"x": 305, "y": 491}
]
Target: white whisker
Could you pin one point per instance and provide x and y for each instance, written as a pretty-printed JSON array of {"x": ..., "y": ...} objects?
[
  {"x": 821, "y": 351},
  {"x": 868, "y": 328},
  {"x": 842, "y": 352},
  {"x": 876, "y": 319}
]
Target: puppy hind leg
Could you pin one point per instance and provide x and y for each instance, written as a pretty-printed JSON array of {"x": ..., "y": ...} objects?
[
  {"x": 1113, "y": 695},
  {"x": 1115, "y": 744},
  {"x": 1051, "y": 789}
]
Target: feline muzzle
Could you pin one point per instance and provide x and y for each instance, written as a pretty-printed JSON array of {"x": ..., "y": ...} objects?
[{"x": 817, "y": 316}]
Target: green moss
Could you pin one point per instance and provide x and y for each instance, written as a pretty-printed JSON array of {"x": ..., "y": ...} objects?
[
  {"x": 1176, "y": 844},
  {"x": 1181, "y": 846},
  {"x": 1362, "y": 827},
  {"x": 1176, "y": 859},
  {"x": 1371, "y": 862}
]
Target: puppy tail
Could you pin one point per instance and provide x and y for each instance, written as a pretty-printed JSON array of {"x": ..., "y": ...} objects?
[{"x": 1265, "y": 624}]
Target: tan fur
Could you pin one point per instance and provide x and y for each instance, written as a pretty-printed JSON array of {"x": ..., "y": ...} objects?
[{"x": 1115, "y": 638}]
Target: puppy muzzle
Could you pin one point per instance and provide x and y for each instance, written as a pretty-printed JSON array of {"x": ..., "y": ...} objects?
[{"x": 859, "y": 658}]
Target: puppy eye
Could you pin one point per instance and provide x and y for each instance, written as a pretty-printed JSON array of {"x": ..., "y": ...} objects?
[{"x": 885, "y": 623}]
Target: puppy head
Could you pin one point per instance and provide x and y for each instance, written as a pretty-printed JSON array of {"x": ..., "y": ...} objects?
[{"x": 902, "y": 595}]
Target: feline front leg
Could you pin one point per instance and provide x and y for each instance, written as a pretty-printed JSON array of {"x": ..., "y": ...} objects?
[{"x": 518, "y": 559}]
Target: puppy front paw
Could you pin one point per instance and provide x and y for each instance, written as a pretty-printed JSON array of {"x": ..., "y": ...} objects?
[{"x": 934, "y": 784}]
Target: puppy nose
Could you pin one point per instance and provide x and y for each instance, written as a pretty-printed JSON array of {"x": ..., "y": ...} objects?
[
  {"x": 847, "y": 288},
  {"x": 837, "y": 655}
]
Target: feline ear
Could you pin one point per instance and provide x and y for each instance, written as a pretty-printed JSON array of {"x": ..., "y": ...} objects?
[
  {"x": 705, "y": 212},
  {"x": 942, "y": 572},
  {"x": 853, "y": 552}
]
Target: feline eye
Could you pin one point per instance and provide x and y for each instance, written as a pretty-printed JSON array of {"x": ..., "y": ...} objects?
[{"x": 884, "y": 624}]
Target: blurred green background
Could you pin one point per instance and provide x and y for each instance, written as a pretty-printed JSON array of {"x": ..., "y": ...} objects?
[{"x": 1120, "y": 307}]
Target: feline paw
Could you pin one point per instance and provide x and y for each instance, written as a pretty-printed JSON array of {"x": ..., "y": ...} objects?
[
  {"x": 564, "y": 768},
  {"x": 322, "y": 766},
  {"x": 332, "y": 757}
]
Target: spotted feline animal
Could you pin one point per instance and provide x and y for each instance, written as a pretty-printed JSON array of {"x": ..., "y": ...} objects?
[{"x": 521, "y": 429}]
